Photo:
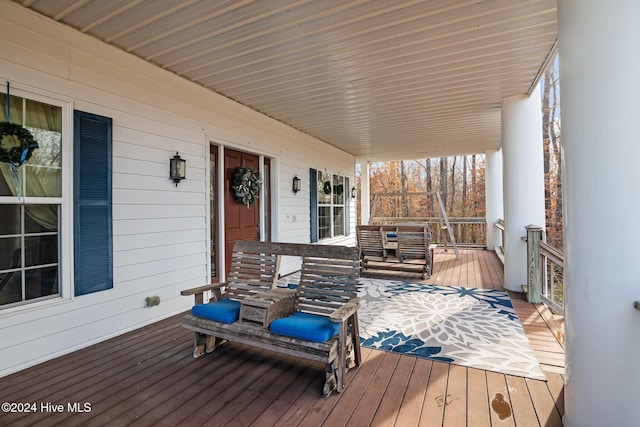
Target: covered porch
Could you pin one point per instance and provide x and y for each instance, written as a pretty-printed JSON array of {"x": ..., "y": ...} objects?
[
  {"x": 148, "y": 377},
  {"x": 309, "y": 90}
]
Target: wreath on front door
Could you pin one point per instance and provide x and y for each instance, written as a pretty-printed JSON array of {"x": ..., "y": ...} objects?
[
  {"x": 16, "y": 143},
  {"x": 246, "y": 186}
]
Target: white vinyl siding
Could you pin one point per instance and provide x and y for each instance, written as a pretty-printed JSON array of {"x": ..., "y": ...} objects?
[{"x": 159, "y": 230}]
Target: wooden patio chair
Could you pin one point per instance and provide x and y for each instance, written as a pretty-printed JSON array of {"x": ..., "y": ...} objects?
[
  {"x": 252, "y": 271},
  {"x": 327, "y": 303},
  {"x": 413, "y": 243},
  {"x": 369, "y": 243}
]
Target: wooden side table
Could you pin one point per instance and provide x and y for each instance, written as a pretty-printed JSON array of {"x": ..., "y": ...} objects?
[{"x": 267, "y": 306}]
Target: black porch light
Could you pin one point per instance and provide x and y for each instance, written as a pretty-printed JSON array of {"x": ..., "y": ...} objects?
[
  {"x": 177, "y": 168},
  {"x": 296, "y": 184},
  {"x": 354, "y": 192}
]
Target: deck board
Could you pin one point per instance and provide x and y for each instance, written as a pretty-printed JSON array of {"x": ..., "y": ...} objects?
[
  {"x": 148, "y": 378},
  {"x": 477, "y": 399},
  {"x": 413, "y": 399},
  {"x": 394, "y": 394}
]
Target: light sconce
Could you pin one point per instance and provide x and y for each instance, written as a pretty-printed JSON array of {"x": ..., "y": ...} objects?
[
  {"x": 177, "y": 168},
  {"x": 354, "y": 192},
  {"x": 296, "y": 184}
]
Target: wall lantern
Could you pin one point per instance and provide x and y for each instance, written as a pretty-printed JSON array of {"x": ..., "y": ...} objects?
[
  {"x": 296, "y": 184},
  {"x": 177, "y": 168},
  {"x": 354, "y": 192}
]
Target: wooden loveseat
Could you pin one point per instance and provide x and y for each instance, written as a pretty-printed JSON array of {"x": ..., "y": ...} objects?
[{"x": 318, "y": 320}]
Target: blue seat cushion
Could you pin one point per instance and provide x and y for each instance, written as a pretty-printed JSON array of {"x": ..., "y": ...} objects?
[
  {"x": 306, "y": 326},
  {"x": 225, "y": 311}
]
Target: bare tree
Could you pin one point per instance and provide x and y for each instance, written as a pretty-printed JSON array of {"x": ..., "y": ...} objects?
[
  {"x": 403, "y": 189},
  {"x": 443, "y": 179},
  {"x": 453, "y": 184}
]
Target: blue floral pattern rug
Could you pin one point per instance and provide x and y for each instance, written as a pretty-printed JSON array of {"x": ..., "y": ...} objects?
[{"x": 477, "y": 328}]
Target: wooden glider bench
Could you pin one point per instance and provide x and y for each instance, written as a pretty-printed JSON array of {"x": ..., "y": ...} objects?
[
  {"x": 318, "y": 320},
  {"x": 401, "y": 242}
]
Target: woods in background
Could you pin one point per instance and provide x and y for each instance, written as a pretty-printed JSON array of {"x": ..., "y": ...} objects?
[
  {"x": 461, "y": 179},
  {"x": 552, "y": 153}
]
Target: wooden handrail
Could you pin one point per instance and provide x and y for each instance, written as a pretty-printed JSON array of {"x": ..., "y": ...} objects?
[
  {"x": 539, "y": 252},
  {"x": 552, "y": 253}
]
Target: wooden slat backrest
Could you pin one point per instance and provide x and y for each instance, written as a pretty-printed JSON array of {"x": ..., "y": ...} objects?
[
  {"x": 328, "y": 281},
  {"x": 369, "y": 240},
  {"x": 253, "y": 269},
  {"x": 413, "y": 241}
]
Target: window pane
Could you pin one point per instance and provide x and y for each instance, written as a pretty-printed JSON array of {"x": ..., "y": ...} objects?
[
  {"x": 5, "y": 181},
  {"x": 324, "y": 188},
  {"x": 10, "y": 256},
  {"x": 11, "y": 287},
  {"x": 41, "y": 218},
  {"x": 43, "y": 116},
  {"x": 338, "y": 221},
  {"x": 41, "y": 282},
  {"x": 43, "y": 171},
  {"x": 40, "y": 250},
  {"x": 324, "y": 222},
  {"x": 16, "y": 108},
  {"x": 17, "y": 262},
  {"x": 338, "y": 190},
  {"x": 41, "y": 175},
  {"x": 10, "y": 222}
]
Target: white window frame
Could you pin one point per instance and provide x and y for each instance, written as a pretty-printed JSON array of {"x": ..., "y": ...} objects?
[
  {"x": 65, "y": 219},
  {"x": 332, "y": 205}
]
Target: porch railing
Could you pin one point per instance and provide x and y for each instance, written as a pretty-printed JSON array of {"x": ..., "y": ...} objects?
[
  {"x": 499, "y": 224},
  {"x": 545, "y": 267},
  {"x": 469, "y": 232}
]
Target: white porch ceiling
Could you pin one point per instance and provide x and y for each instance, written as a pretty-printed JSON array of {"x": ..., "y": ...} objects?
[{"x": 381, "y": 79}]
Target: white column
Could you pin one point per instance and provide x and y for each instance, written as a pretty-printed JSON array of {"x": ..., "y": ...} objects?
[
  {"x": 364, "y": 193},
  {"x": 600, "y": 100},
  {"x": 523, "y": 174},
  {"x": 493, "y": 196}
]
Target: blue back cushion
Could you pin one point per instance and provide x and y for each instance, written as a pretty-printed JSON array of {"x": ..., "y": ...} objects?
[
  {"x": 225, "y": 311},
  {"x": 306, "y": 326}
]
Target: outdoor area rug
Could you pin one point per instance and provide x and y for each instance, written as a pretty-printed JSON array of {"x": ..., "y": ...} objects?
[{"x": 477, "y": 328}]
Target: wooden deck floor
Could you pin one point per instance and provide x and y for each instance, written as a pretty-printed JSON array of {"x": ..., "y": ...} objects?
[{"x": 148, "y": 378}]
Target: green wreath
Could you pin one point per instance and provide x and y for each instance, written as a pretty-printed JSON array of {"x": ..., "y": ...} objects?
[
  {"x": 246, "y": 186},
  {"x": 16, "y": 143},
  {"x": 326, "y": 187}
]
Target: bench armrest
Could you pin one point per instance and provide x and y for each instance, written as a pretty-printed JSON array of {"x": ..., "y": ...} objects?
[
  {"x": 199, "y": 291},
  {"x": 346, "y": 311}
]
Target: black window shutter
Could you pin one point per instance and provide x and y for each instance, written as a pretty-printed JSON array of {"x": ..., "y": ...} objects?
[
  {"x": 313, "y": 205},
  {"x": 347, "y": 206},
  {"x": 93, "y": 242}
]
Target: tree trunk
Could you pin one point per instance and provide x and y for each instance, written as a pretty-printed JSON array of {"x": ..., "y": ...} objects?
[
  {"x": 546, "y": 125},
  {"x": 463, "y": 234},
  {"x": 429, "y": 188},
  {"x": 453, "y": 186},
  {"x": 403, "y": 189},
  {"x": 443, "y": 180},
  {"x": 474, "y": 195}
]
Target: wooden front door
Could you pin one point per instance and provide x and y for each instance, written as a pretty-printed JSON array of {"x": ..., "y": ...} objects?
[{"x": 241, "y": 222}]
